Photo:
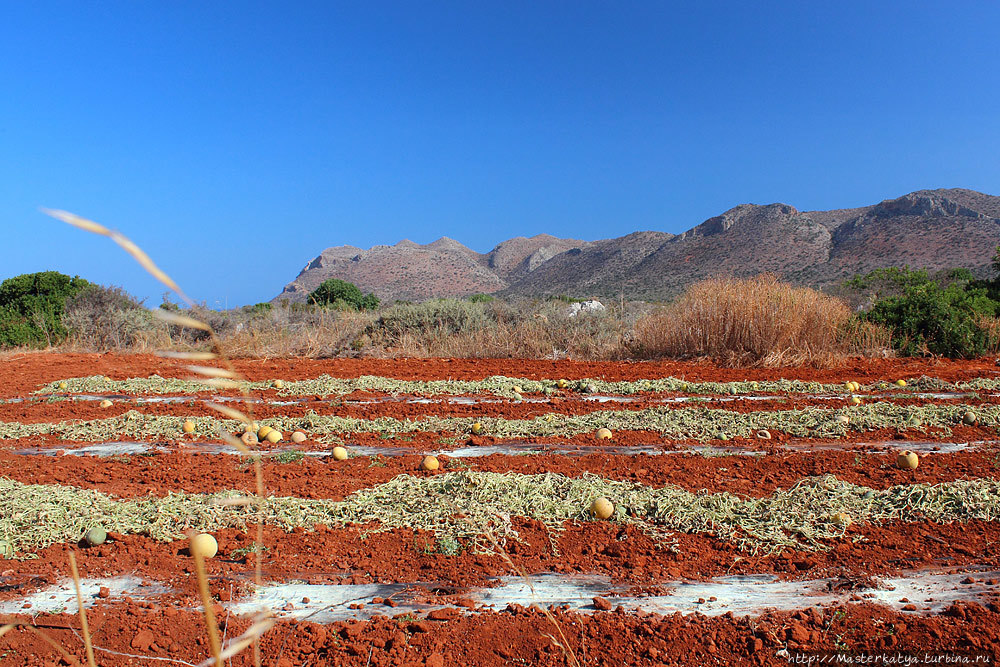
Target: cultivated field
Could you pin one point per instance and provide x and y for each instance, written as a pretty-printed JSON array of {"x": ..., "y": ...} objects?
[{"x": 758, "y": 514}]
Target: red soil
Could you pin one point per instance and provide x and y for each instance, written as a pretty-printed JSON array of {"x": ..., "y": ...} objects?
[
  {"x": 22, "y": 373},
  {"x": 517, "y": 636}
]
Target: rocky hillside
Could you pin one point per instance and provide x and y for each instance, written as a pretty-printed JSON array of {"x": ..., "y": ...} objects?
[
  {"x": 931, "y": 229},
  {"x": 414, "y": 272}
]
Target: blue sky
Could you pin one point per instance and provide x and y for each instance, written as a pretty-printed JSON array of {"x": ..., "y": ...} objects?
[{"x": 235, "y": 141}]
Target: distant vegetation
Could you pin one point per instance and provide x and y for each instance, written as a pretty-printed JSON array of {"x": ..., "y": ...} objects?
[
  {"x": 950, "y": 313},
  {"x": 340, "y": 294},
  {"x": 736, "y": 322}
]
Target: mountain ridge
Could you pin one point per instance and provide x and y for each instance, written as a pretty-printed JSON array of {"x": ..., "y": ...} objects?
[{"x": 932, "y": 229}]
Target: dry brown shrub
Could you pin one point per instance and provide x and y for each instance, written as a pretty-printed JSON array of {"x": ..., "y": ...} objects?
[
  {"x": 867, "y": 339},
  {"x": 747, "y": 322},
  {"x": 323, "y": 334},
  {"x": 991, "y": 325}
]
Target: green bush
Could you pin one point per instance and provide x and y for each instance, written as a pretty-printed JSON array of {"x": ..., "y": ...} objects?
[
  {"x": 481, "y": 298},
  {"x": 938, "y": 315},
  {"x": 32, "y": 305},
  {"x": 341, "y": 294}
]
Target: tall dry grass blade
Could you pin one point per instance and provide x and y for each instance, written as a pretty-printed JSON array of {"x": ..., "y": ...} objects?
[
  {"x": 563, "y": 645},
  {"x": 218, "y": 378},
  {"x": 211, "y": 625},
  {"x": 238, "y": 644},
  {"x": 144, "y": 260},
  {"x": 187, "y": 356},
  {"x": 218, "y": 383},
  {"x": 233, "y": 441},
  {"x": 177, "y": 319},
  {"x": 212, "y": 371},
  {"x": 232, "y": 413},
  {"x": 77, "y": 221},
  {"x": 125, "y": 243},
  {"x": 84, "y": 627},
  {"x": 48, "y": 640}
]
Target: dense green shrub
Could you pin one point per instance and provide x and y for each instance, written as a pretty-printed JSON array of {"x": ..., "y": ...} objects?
[
  {"x": 338, "y": 293},
  {"x": 481, "y": 298},
  {"x": 32, "y": 305},
  {"x": 938, "y": 315}
]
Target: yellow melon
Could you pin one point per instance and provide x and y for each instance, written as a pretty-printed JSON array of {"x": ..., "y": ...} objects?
[
  {"x": 907, "y": 460},
  {"x": 602, "y": 508}
]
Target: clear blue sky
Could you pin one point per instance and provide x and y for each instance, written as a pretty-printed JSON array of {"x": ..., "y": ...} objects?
[{"x": 236, "y": 140}]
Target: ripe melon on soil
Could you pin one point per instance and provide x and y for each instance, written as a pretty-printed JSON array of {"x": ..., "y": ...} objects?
[
  {"x": 604, "y": 434},
  {"x": 602, "y": 508},
  {"x": 907, "y": 460},
  {"x": 339, "y": 454},
  {"x": 430, "y": 463},
  {"x": 188, "y": 426},
  {"x": 273, "y": 436},
  {"x": 95, "y": 536},
  {"x": 204, "y": 544},
  {"x": 298, "y": 437},
  {"x": 477, "y": 428}
]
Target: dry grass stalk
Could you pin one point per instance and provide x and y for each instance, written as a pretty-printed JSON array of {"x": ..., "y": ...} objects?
[
  {"x": 84, "y": 627},
  {"x": 223, "y": 378},
  {"x": 562, "y": 643},
  {"x": 747, "y": 322},
  {"x": 208, "y": 610}
]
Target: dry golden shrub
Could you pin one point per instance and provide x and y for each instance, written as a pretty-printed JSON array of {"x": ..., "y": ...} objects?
[{"x": 757, "y": 321}]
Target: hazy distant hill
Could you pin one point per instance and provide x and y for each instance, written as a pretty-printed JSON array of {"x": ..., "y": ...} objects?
[{"x": 926, "y": 229}]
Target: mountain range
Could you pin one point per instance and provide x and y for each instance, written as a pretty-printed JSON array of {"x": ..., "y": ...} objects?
[{"x": 933, "y": 229}]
